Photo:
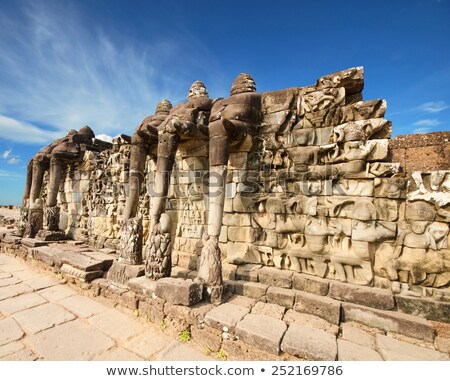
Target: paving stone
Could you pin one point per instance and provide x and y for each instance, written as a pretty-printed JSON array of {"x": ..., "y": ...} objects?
[
  {"x": 311, "y": 284},
  {"x": 42, "y": 317},
  {"x": 116, "y": 324},
  {"x": 357, "y": 335},
  {"x": 118, "y": 354},
  {"x": 4, "y": 275},
  {"x": 148, "y": 343},
  {"x": 389, "y": 321},
  {"x": 268, "y": 309},
  {"x": 33, "y": 242},
  {"x": 55, "y": 293},
  {"x": 427, "y": 308},
  {"x": 275, "y": 277},
  {"x": 367, "y": 296},
  {"x": 9, "y": 281},
  {"x": 9, "y": 331},
  {"x": 75, "y": 340},
  {"x": 350, "y": 351},
  {"x": 40, "y": 282},
  {"x": 82, "y": 306},
  {"x": 142, "y": 285},
  {"x": 179, "y": 291},
  {"x": 14, "y": 290},
  {"x": 321, "y": 306},
  {"x": 281, "y": 296},
  {"x": 22, "y": 355},
  {"x": 309, "y": 343},
  {"x": 21, "y": 302},
  {"x": 10, "y": 348},
  {"x": 262, "y": 331},
  {"x": 312, "y": 321},
  {"x": 226, "y": 315},
  {"x": 392, "y": 349},
  {"x": 182, "y": 352}
]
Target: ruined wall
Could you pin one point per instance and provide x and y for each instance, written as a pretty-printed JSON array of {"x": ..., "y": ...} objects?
[{"x": 312, "y": 191}]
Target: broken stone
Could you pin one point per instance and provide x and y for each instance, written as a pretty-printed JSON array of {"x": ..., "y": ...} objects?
[
  {"x": 226, "y": 315},
  {"x": 179, "y": 291}
]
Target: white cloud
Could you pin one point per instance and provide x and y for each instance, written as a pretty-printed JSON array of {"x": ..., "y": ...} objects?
[
  {"x": 14, "y": 160},
  {"x": 6, "y": 153},
  {"x": 422, "y": 130},
  {"x": 433, "y": 107},
  {"x": 104, "y": 137},
  {"x": 427, "y": 122},
  {"x": 23, "y": 132},
  {"x": 63, "y": 72}
]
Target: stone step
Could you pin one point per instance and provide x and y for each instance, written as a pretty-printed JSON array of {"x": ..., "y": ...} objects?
[
  {"x": 32, "y": 242},
  {"x": 424, "y": 307},
  {"x": 390, "y": 321},
  {"x": 226, "y": 316}
]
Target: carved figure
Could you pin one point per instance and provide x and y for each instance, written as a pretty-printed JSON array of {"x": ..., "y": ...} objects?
[
  {"x": 187, "y": 120},
  {"x": 231, "y": 120}
]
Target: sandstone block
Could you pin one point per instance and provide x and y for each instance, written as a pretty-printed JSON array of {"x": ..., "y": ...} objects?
[
  {"x": 275, "y": 277},
  {"x": 367, "y": 296},
  {"x": 179, "y": 291},
  {"x": 427, "y": 308},
  {"x": 239, "y": 253},
  {"x": 262, "y": 331},
  {"x": 226, "y": 315},
  {"x": 142, "y": 285},
  {"x": 311, "y": 321},
  {"x": 321, "y": 306},
  {"x": 248, "y": 272},
  {"x": 281, "y": 296},
  {"x": 311, "y": 284},
  {"x": 309, "y": 343},
  {"x": 349, "y": 351},
  {"x": 269, "y": 309}
]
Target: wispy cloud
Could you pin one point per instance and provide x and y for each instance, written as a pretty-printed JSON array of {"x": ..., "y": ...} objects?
[
  {"x": 8, "y": 175},
  {"x": 422, "y": 130},
  {"x": 433, "y": 107},
  {"x": 427, "y": 122},
  {"x": 14, "y": 160},
  {"x": 62, "y": 72}
]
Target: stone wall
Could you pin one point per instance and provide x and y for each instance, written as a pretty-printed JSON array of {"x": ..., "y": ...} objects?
[{"x": 312, "y": 191}]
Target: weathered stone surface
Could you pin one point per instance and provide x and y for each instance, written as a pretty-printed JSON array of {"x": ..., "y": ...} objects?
[
  {"x": 142, "y": 285},
  {"x": 179, "y": 352},
  {"x": 226, "y": 315},
  {"x": 32, "y": 242},
  {"x": 86, "y": 342},
  {"x": 39, "y": 282},
  {"x": 243, "y": 301},
  {"x": 396, "y": 322},
  {"x": 190, "y": 315},
  {"x": 22, "y": 355},
  {"x": 281, "y": 296},
  {"x": 428, "y": 308},
  {"x": 86, "y": 276},
  {"x": 392, "y": 349},
  {"x": 55, "y": 293},
  {"x": 309, "y": 343},
  {"x": 179, "y": 291},
  {"x": 21, "y": 302},
  {"x": 275, "y": 277},
  {"x": 350, "y": 351},
  {"x": 9, "y": 349},
  {"x": 268, "y": 309},
  {"x": 42, "y": 317},
  {"x": 321, "y": 306},
  {"x": 262, "y": 331},
  {"x": 248, "y": 272},
  {"x": 207, "y": 337},
  {"x": 367, "y": 296},
  {"x": 14, "y": 290},
  {"x": 82, "y": 306},
  {"x": 239, "y": 253},
  {"x": 147, "y": 344},
  {"x": 241, "y": 234},
  {"x": 120, "y": 273},
  {"x": 251, "y": 289},
  {"x": 311, "y": 321},
  {"x": 357, "y": 335},
  {"x": 9, "y": 331},
  {"x": 118, "y": 354},
  {"x": 9, "y": 281},
  {"x": 152, "y": 309},
  {"x": 311, "y": 284},
  {"x": 237, "y": 350},
  {"x": 116, "y": 325}
]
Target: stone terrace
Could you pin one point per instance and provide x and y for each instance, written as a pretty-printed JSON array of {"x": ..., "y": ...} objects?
[{"x": 316, "y": 320}]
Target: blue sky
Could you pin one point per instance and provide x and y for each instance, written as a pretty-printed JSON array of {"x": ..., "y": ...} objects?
[{"x": 106, "y": 63}]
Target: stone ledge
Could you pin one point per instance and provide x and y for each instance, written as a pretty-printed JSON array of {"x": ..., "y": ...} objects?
[
  {"x": 321, "y": 306},
  {"x": 226, "y": 316},
  {"x": 426, "y": 308},
  {"x": 179, "y": 291}
]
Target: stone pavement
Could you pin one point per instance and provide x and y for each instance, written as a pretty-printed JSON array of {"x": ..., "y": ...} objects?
[{"x": 43, "y": 319}]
